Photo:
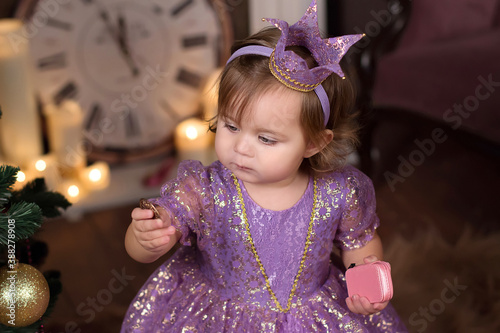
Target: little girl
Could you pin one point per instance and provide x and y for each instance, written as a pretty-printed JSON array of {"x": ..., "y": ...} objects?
[{"x": 258, "y": 226}]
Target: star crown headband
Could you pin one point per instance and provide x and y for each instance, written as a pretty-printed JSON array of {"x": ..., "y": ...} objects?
[{"x": 291, "y": 69}]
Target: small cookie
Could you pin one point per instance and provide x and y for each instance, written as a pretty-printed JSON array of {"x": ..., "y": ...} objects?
[{"x": 144, "y": 204}]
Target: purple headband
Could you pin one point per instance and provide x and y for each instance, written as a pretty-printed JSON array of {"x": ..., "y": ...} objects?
[
  {"x": 291, "y": 69},
  {"x": 267, "y": 51}
]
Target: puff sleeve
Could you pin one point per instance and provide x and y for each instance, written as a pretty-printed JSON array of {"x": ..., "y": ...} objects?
[
  {"x": 186, "y": 200},
  {"x": 358, "y": 219}
]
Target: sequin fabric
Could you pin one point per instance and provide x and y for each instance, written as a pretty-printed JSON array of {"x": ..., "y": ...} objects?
[{"x": 213, "y": 282}]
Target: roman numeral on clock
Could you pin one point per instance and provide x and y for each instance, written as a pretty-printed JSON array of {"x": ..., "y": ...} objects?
[
  {"x": 68, "y": 91},
  {"x": 55, "y": 61},
  {"x": 193, "y": 41},
  {"x": 95, "y": 115},
  {"x": 189, "y": 78},
  {"x": 52, "y": 22},
  {"x": 131, "y": 125}
]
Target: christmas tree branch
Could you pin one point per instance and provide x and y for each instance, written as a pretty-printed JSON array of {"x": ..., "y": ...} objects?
[
  {"x": 7, "y": 179},
  {"x": 25, "y": 219},
  {"x": 36, "y": 192}
]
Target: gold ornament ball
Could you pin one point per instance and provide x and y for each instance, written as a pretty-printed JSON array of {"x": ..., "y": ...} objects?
[{"x": 24, "y": 295}]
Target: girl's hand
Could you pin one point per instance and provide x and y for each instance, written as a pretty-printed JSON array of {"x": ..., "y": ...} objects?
[
  {"x": 362, "y": 305},
  {"x": 154, "y": 235}
]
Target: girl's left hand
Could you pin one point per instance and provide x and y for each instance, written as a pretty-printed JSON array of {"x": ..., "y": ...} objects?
[{"x": 362, "y": 305}]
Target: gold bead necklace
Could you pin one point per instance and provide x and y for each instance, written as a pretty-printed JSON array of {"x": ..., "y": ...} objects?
[{"x": 256, "y": 255}]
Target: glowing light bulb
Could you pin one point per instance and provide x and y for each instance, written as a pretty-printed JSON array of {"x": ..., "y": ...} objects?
[
  {"x": 95, "y": 175},
  {"x": 191, "y": 132},
  {"x": 73, "y": 191},
  {"x": 40, "y": 165},
  {"x": 21, "y": 176}
]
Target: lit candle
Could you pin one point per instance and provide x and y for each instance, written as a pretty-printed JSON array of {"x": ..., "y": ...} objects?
[
  {"x": 21, "y": 180},
  {"x": 65, "y": 135},
  {"x": 46, "y": 167},
  {"x": 95, "y": 176},
  {"x": 72, "y": 189},
  {"x": 194, "y": 141},
  {"x": 20, "y": 176},
  {"x": 20, "y": 125}
]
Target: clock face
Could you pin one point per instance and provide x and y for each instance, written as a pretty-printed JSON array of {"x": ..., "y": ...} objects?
[{"x": 136, "y": 67}]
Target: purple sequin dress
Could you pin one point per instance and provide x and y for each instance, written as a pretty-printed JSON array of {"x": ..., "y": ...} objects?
[{"x": 214, "y": 283}]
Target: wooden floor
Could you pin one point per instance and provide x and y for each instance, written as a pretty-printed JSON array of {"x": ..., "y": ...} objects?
[{"x": 453, "y": 187}]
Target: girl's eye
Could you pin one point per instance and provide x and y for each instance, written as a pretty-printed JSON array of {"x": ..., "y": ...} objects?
[
  {"x": 230, "y": 127},
  {"x": 267, "y": 141}
]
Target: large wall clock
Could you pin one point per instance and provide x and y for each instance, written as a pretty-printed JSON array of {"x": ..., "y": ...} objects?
[{"x": 135, "y": 66}]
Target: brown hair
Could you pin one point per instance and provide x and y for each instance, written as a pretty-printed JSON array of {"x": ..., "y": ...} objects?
[{"x": 248, "y": 77}]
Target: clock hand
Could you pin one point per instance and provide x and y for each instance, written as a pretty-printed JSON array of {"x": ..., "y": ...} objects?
[
  {"x": 122, "y": 33},
  {"x": 124, "y": 46},
  {"x": 118, "y": 37}
]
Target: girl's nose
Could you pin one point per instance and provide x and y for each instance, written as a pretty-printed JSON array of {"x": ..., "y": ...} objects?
[{"x": 242, "y": 146}]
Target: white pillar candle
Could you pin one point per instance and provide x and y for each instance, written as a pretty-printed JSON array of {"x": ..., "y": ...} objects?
[
  {"x": 193, "y": 141},
  {"x": 65, "y": 135},
  {"x": 20, "y": 124},
  {"x": 95, "y": 176}
]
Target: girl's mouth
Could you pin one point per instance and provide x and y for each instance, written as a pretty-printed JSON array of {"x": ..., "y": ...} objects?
[{"x": 241, "y": 167}]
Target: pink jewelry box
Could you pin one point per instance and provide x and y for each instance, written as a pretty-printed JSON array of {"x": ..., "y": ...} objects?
[{"x": 372, "y": 280}]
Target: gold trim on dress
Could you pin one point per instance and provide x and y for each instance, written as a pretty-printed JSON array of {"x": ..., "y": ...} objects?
[{"x": 256, "y": 255}]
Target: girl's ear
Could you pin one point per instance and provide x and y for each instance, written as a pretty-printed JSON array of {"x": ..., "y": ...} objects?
[{"x": 312, "y": 149}]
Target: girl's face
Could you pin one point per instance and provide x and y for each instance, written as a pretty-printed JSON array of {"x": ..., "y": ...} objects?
[{"x": 268, "y": 146}]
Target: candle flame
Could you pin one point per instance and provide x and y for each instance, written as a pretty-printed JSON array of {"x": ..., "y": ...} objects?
[
  {"x": 95, "y": 175},
  {"x": 191, "y": 132},
  {"x": 73, "y": 191},
  {"x": 40, "y": 165},
  {"x": 21, "y": 176}
]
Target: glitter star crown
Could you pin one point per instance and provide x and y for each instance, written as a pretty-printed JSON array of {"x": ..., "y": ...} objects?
[{"x": 291, "y": 69}]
